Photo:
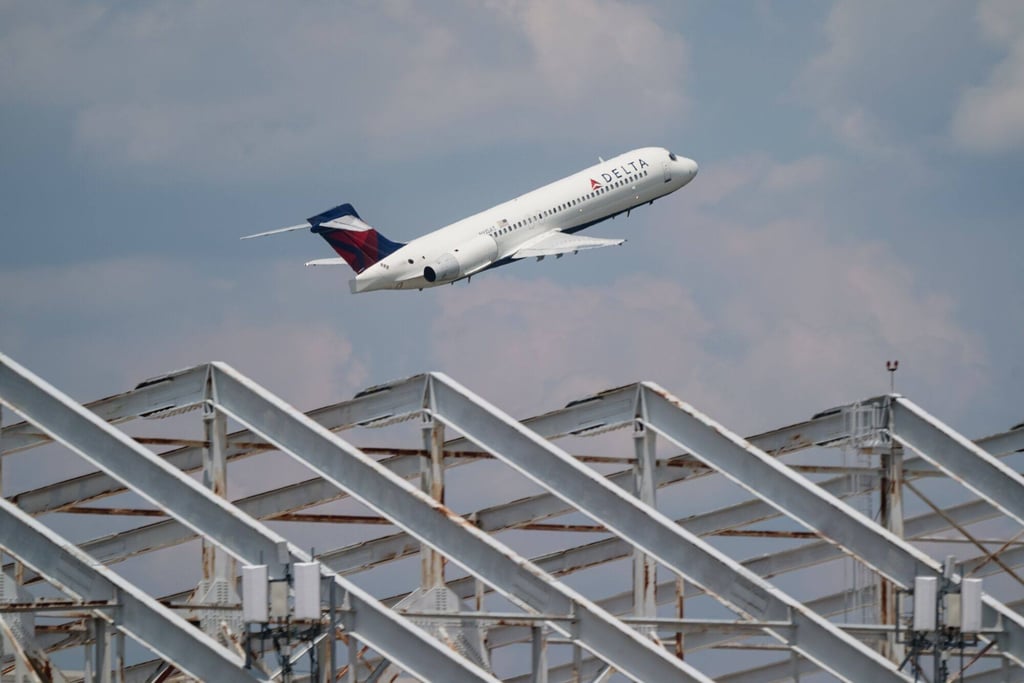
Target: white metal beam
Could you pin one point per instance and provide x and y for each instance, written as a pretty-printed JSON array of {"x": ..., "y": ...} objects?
[
  {"x": 175, "y": 390},
  {"x": 367, "y": 554},
  {"x": 778, "y": 485},
  {"x": 432, "y": 523},
  {"x": 137, "y": 614},
  {"x": 647, "y": 529},
  {"x": 170, "y": 392},
  {"x": 114, "y": 452},
  {"x": 958, "y": 458},
  {"x": 772, "y": 565},
  {"x": 808, "y": 504}
]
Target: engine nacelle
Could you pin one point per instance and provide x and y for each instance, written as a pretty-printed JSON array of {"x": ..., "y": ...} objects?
[
  {"x": 445, "y": 268},
  {"x": 468, "y": 258}
]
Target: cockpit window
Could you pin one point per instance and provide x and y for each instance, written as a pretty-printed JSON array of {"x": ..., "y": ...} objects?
[{"x": 672, "y": 156}]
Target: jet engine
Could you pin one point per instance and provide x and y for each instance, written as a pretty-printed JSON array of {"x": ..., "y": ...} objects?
[{"x": 468, "y": 258}]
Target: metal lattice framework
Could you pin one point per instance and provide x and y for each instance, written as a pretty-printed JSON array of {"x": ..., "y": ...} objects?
[{"x": 433, "y": 630}]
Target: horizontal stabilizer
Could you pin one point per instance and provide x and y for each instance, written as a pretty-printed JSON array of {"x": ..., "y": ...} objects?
[
  {"x": 327, "y": 262},
  {"x": 556, "y": 243},
  {"x": 274, "y": 232}
]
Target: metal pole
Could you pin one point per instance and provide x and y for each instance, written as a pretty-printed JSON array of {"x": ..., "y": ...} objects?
[
  {"x": 100, "y": 672},
  {"x": 645, "y": 568},
  {"x": 353, "y": 658},
  {"x": 4, "y": 646},
  {"x": 891, "y": 517},
  {"x": 539, "y": 657},
  {"x": 330, "y": 661},
  {"x": 118, "y": 649},
  {"x": 432, "y": 484},
  {"x": 217, "y": 564},
  {"x": 680, "y": 614}
]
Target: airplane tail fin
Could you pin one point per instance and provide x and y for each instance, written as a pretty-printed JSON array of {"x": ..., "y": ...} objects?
[{"x": 355, "y": 241}]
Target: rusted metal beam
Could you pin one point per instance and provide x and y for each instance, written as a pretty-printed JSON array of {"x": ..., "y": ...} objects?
[
  {"x": 966, "y": 534},
  {"x": 114, "y": 512},
  {"x": 767, "y": 533},
  {"x": 1004, "y": 544},
  {"x": 177, "y": 390},
  {"x": 165, "y": 441}
]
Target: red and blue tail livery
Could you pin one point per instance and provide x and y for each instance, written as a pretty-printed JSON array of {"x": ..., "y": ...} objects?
[
  {"x": 538, "y": 224},
  {"x": 359, "y": 244}
]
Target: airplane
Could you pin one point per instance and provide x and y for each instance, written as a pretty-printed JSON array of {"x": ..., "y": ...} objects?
[{"x": 540, "y": 223}]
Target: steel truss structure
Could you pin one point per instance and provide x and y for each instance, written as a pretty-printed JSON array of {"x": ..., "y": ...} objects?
[{"x": 446, "y": 627}]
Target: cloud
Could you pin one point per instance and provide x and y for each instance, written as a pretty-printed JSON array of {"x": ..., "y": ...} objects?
[
  {"x": 231, "y": 89},
  {"x": 756, "y": 322},
  {"x": 817, "y": 317},
  {"x": 610, "y": 45},
  {"x": 990, "y": 117},
  {"x": 759, "y": 174},
  {"x": 531, "y": 345},
  {"x": 888, "y": 76},
  {"x": 104, "y": 326}
]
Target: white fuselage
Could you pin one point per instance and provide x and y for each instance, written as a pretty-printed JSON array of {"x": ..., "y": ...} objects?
[{"x": 491, "y": 237}]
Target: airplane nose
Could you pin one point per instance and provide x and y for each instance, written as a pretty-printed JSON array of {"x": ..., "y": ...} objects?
[{"x": 689, "y": 167}]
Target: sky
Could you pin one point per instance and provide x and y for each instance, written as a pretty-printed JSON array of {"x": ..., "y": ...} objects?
[{"x": 859, "y": 198}]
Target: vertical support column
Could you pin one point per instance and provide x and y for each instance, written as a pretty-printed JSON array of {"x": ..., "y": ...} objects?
[
  {"x": 432, "y": 483},
  {"x": 891, "y": 517},
  {"x": 4, "y": 645},
  {"x": 217, "y": 564},
  {"x": 117, "y": 650},
  {"x": 100, "y": 670},
  {"x": 539, "y": 658},
  {"x": 680, "y": 614},
  {"x": 353, "y": 659},
  {"x": 478, "y": 586},
  {"x": 328, "y": 659},
  {"x": 220, "y": 569},
  {"x": 323, "y": 657},
  {"x": 645, "y": 568}
]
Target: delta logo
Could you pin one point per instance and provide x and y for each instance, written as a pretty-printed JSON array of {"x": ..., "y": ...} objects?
[{"x": 619, "y": 173}]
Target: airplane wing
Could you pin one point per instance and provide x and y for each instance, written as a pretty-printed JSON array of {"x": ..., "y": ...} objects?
[{"x": 556, "y": 243}]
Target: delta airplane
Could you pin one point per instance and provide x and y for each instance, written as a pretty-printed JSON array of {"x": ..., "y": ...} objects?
[{"x": 537, "y": 224}]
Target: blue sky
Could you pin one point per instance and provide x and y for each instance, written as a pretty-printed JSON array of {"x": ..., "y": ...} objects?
[{"x": 859, "y": 197}]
